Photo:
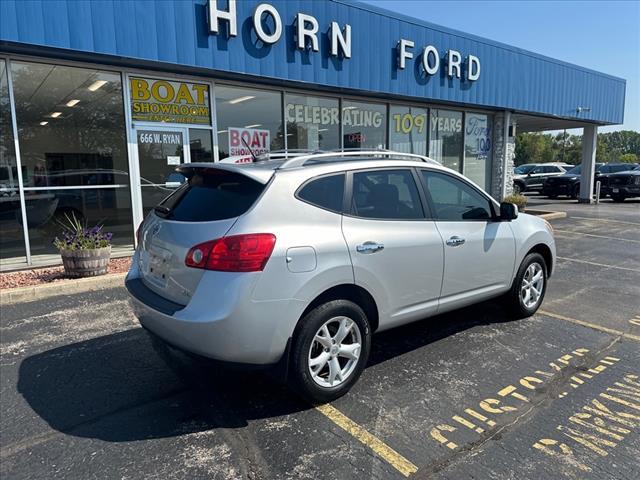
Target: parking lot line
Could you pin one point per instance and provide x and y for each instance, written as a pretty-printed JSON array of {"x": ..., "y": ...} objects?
[
  {"x": 596, "y": 236},
  {"x": 397, "y": 461},
  {"x": 597, "y": 264},
  {"x": 605, "y": 220},
  {"x": 591, "y": 325}
]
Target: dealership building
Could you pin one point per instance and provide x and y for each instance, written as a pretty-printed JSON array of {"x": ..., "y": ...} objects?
[{"x": 100, "y": 101}]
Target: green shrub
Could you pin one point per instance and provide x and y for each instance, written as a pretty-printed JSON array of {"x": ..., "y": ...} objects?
[{"x": 519, "y": 200}]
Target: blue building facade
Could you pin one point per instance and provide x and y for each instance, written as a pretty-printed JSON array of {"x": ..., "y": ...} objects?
[{"x": 101, "y": 99}]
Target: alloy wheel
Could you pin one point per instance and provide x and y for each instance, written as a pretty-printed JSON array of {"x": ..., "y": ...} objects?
[
  {"x": 532, "y": 285},
  {"x": 335, "y": 351}
]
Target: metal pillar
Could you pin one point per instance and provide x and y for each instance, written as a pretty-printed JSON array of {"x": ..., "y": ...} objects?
[{"x": 589, "y": 144}]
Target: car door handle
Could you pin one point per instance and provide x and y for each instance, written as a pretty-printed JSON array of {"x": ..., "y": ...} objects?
[
  {"x": 455, "y": 241},
  {"x": 369, "y": 247}
]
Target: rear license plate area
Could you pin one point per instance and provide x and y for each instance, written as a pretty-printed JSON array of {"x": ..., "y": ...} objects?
[{"x": 157, "y": 265}]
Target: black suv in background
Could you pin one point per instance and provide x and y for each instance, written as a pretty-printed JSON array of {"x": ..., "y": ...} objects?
[
  {"x": 624, "y": 184},
  {"x": 569, "y": 183},
  {"x": 530, "y": 176}
]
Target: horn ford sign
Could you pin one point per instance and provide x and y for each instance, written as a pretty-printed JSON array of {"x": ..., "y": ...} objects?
[
  {"x": 172, "y": 102},
  {"x": 258, "y": 140},
  {"x": 307, "y": 33}
]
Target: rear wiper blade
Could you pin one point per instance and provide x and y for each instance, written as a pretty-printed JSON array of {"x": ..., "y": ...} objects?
[{"x": 162, "y": 210}]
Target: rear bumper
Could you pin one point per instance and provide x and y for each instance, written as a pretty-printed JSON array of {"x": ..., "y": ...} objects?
[
  {"x": 219, "y": 326},
  {"x": 558, "y": 189},
  {"x": 626, "y": 190}
]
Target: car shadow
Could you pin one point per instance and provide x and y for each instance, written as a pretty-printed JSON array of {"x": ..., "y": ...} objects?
[{"x": 126, "y": 386}]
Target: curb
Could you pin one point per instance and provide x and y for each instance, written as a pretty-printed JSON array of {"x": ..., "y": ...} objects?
[
  {"x": 546, "y": 214},
  {"x": 65, "y": 287}
]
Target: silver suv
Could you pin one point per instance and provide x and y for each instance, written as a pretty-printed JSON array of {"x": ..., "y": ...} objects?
[{"x": 298, "y": 261}]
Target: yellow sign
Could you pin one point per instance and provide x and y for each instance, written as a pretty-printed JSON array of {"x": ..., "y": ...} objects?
[{"x": 169, "y": 102}]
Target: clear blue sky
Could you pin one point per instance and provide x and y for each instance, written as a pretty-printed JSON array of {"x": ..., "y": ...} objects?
[{"x": 602, "y": 35}]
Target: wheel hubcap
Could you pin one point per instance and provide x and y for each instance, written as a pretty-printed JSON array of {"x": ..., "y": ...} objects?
[
  {"x": 532, "y": 285},
  {"x": 335, "y": 351}
]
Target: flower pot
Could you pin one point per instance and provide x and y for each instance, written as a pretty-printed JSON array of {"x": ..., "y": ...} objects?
[{"x": 86, "y": 263}]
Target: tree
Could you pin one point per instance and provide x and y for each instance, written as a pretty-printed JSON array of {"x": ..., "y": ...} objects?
[{"x": 628, "y": 158}]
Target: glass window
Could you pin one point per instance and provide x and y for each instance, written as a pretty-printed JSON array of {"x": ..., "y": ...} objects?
[
  {"x": 408, "y": 129},
  {"x": 200, "y": 145},
  {"x": 212, "y": 194},
  {"x": 70, "y": 124},
  {"x": 248, "y": 117},
  {"x": 11, "y": 231},
  {"x": 313, "y": 123},
  {"x": 454, "y": 199},
  {"x": 324, "y": 192},
  {"x": 46, "y": 209},
  {"x": 364, "y": 124},
  {"x": 386, "y": 194},
  {"x": 445, "y": 143},
  {"x": 524, "y": 169},
  {"x": 477, "y": 149}
]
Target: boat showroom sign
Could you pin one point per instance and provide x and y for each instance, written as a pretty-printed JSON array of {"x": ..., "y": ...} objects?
[{"x": 307, "y": 31}]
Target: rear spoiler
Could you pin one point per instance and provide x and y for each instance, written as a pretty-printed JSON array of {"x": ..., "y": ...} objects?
[{"x": 260, "y": 175}]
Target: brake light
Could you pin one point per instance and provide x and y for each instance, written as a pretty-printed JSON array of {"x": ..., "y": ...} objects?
[{"x": 237, "y": 253}]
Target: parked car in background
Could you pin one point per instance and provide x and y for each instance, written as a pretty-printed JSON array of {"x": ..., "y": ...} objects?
[
  {"x": 569, "y": 183},
  {"x": 624, "y": 185},
  {"x": 529, "y": 177},
  {"x": 297, "y": 262}
]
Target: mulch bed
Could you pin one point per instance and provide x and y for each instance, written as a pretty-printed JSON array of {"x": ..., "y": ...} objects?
[{"x": 39, "y": 276}]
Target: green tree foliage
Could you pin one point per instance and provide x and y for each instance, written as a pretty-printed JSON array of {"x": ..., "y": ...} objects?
[{"x": 621, "y": 146}]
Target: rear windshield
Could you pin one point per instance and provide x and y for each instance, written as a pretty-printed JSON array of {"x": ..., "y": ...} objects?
[{"x": 209, "y": 195}]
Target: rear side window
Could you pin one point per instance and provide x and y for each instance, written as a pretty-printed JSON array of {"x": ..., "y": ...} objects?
[
  {"x": 210, "y": 195},
  {"x": 324, "y": 192},
  {"x": 386, "y": 195}
]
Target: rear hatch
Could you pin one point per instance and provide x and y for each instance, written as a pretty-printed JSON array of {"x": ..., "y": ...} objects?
[{"x": 203, "y": 209}]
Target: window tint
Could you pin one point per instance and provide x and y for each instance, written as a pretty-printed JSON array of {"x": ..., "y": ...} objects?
[
  {"x": 324, "y": 192},
  {"x": 620, "y": 168},
  {"x": 386, "y": 194},
  {"x": 454, "y": 199},
  {"x": 210, "y": 195}
]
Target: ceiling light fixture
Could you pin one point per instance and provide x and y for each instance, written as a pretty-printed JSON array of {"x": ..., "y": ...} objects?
[
  {"x": 253, "y": 126},
  {"x": 241, "y": 99},
  {"x": 97, "y": 84},
  {"x": 43, "y": 123},
  {"x": 223, "y": 131},
  {"x": 56, "y": 114},
  {"x": 73, "y": 102}
]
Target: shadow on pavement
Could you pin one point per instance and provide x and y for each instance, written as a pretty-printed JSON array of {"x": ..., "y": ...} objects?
[{"x": 123, "y": 387}]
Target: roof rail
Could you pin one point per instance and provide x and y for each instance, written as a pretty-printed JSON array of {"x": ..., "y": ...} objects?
[{"x": 299, "y": 161}]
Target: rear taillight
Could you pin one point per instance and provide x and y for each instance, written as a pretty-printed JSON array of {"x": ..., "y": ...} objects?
[{"x": 238, "y": 253}]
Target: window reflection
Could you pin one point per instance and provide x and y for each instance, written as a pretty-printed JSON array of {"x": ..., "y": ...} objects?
[
  {"x": 69, "y": 120},
  {"x": 312, "y": 122},
  {"x": 251, "y": 116},
  {"x": 445, "y": 143},
  {"x": 11, "y": 231},
  {"x": 408, "y": 129},
  {"x": 364, "y": 124},
  {"x": 477, "y": 148}
]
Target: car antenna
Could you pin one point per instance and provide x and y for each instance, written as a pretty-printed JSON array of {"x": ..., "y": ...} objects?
[{"x": 255, "y": 159}]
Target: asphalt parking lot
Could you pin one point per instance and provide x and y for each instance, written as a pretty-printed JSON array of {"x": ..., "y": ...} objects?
[{"x": 84, "y": 393}]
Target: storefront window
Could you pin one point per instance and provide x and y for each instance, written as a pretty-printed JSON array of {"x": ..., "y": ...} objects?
[
  {"x": 312, "y": 122},
  {"x": 364, "y": 124},
  {"x": 11, "y": 231},
  {"x": 408, "y": 129},
  {"x": 445, "y": 142},
  {"x": 200, "y": 145},
  {"x": 477, "y": 148},
  {"x": 71, "y": 129},
  {"x": 248, "y": 116}
]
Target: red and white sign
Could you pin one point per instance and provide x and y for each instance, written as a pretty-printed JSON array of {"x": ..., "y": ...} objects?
[{"x": 259, "y": 142}]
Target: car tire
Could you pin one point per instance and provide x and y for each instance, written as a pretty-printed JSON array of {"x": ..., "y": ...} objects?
[
  {"x": 518, "y": 188},
  {"x": 532, "y": 264},
  {"x": 618, "y": 198},
  {"x": 311, "y": 342}
]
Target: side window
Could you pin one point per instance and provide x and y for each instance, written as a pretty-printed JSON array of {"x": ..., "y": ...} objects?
[
  {"x": 551, "y": 169},
  {"x": 454, "y": 199},
  {"x": 324, "y": 192},
  {"x": 538, "y": 170},
  {"x": 386, "y": 194}
]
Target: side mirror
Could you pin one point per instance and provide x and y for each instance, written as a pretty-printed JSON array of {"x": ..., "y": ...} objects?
[{"x": 508, "y": 211}]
